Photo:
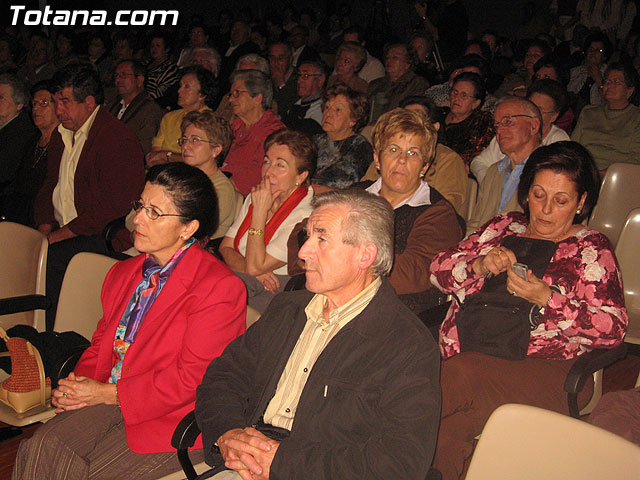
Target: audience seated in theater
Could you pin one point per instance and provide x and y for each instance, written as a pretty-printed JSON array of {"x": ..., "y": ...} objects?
[
  {"x": 17, "y": 133},
  {"x": 302, "y": 52},
  {"x": 518, "y": 82},
  {"x": 350, "y": 58},
  {"x": 306, "y": 113},
  {"x": 425, "y": 222},
  {"x": 518, "y": 125},
  {"x": 399, "y": 81},
  {"x": 571, "y": 308},
  {"x": 550, "y": 97},
  {"x": 611, "y": 132},
  {"x": 446, "y": 172},
  {"x": 205, "y": 141},
  {"x": 162, "y": 76},
  {"x": 251, "y": 61},
  {"x": 204, "y": 56},
  {"x": 373, "y": 68},
  {"x": 250, "y": 97},
  {"x": 255, "y": 247},
  {"x": 198, "y": 88},
  {"x": 38, "y": 65},
  {"x": 467, "y": 130},
  {"x": 282, "y": 75},
  {"x": 422, "y": 43},
  {"x": 239, "y": 45},
  {"x": 553, "y": 68},
  {"x": 16, "y": 201},
  {"x": 374, "y": 367},
  {"x": 133, "y": 106},
  {"x": 95, "y": 169},
  {"x": 441, "y": 94},
  {"x": 114, "y": 412},
  {"x": 198, "y": 37},
  {"x": 587, "y": 80},
  {"x": 343, "y": 154}
]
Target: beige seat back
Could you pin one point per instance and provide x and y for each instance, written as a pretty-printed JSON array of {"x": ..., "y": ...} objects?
[
  {"x": 23, "y": 265},
  {"x": 619, "y": 194},
  {"x": 627, "y": 254},
  {"x": 529, "y": 443},
  {"x": 80, "y": 305}
]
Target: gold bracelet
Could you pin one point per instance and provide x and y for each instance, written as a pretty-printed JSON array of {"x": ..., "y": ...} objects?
[{"x": 255, "y": 231}]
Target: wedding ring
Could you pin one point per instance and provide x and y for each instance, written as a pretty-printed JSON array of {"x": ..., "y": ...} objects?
[
  {"x": 499, "y": 250},
  {"x": 65, "y": 395},
  {"x": 513, "y": 293}
]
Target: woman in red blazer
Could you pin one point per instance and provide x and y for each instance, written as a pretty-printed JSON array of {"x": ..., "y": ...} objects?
[{"x": 167, "y": 314}]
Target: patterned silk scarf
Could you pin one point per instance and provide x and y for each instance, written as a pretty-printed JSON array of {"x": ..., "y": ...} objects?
[{"x": 153, "y": 279}]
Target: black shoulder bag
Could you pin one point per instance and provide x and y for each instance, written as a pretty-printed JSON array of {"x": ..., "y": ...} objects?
[{"x": 495, "y": 322}]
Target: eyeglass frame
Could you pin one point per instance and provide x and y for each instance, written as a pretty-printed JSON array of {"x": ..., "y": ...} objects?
[
  {"x": 236, "y": 93},
  {"x": 41, "y": 103},
  {"x": 137, "y": 205},
  {"x": 509, "y": 118},
  {"x": 193, "y": 140},
  {"x": 411, "y": 153}
]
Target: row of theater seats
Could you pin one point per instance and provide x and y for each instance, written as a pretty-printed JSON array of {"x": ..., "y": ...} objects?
[{"x": 23, "y": 263}]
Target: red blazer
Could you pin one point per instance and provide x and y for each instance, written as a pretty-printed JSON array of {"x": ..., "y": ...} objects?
[
  {"x": 200, "y": 309},
  {"x": 109, "y": 176}
]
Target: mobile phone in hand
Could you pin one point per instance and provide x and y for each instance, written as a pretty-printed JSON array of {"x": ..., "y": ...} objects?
[{"x": 520, "y": 269}]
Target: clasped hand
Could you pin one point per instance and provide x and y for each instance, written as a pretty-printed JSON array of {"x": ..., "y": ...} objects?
[
  {"x": 248, "y": 452},
  {"x": 501, "y": 259},
  {"x": 75, "y": 392}
]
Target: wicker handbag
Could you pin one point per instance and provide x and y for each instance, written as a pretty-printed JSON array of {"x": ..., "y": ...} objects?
[{"x": 27, "y": 386}]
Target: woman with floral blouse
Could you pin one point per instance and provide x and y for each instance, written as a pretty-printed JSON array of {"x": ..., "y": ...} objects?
[{"x": 579, "y": 300}]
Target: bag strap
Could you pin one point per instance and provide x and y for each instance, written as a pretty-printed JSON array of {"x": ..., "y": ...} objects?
[
  {"x": 43, "y": 381},
  {"x": 4, "y": 335}
]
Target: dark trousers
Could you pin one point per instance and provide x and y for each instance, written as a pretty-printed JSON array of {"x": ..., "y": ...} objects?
[{"x": 58, "y": 257}]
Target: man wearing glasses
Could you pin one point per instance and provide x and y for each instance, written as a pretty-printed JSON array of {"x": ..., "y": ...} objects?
[
  {"x": 133, "y": 106},
  {"x": 306, "y": 114},
  {"x": 518, "y": 131}
]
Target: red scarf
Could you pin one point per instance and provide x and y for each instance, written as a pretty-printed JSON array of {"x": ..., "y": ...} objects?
[{"x": 272, "y": 225}]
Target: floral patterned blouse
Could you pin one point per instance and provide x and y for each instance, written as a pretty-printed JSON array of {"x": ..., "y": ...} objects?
[{"x": 587, "y": 313}]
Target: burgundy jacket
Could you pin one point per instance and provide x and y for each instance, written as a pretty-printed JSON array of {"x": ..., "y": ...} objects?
[{"x": 109, "y": 176}]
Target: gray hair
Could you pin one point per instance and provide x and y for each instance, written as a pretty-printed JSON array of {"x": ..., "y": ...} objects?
[
  {"x": 369, "y": 220},
  {"x": 259, "y": 62},
  {"x": 19, "y": 93},
  {"x": 212, "y": 56},
  {"x": 256, "y": 83},
  {"x": 529, "y": 107}
]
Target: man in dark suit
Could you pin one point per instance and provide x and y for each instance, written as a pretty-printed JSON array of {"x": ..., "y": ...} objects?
[
  {"x": 134, "y": 106},
  {"x": 95, "y": 170},
  {"x": 239, "y": 46},
  {"x": 298, "y": 39},
  {"x": 327, "y": 376}
]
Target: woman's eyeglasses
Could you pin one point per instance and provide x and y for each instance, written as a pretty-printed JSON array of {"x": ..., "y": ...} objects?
[
  {"x": 151, "y": 212},
  {"x": 195, "y": 141}
]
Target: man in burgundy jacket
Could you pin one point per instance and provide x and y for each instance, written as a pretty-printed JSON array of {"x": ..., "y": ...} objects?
[{"x": 95, "y": 170}]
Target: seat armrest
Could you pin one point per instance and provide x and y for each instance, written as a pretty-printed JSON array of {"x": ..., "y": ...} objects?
[
  {"x": 66, "y": 366},
  {"x": 184, "y": 436},
  {"x": 585, "y": 366},
  {"x": 111, "y": 231},
  {"x": 23, "y": 303}
]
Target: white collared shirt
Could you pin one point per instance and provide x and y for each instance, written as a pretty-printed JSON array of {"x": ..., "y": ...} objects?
[
  {"x": 63, "y": 198},
  {"x": 422, "y": 196}
]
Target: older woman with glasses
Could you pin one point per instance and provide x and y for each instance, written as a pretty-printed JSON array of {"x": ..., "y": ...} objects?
[
  {"x": 250, "y": 97},
  {"x": 350, "y": 58},
  {"x": 611, "y": 132},
  {"x": 16, "y": 202},
  {"x": 167, "y": 314},
  {"x": 467, "y": 129},
  {"x": 198, "y": 88}
]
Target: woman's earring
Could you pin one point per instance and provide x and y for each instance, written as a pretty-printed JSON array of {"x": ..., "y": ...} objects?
[
  {"x": 578, "y": 211},
  {"x": 297, "y": 184},
  {"x": 378, "y": 167}
]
